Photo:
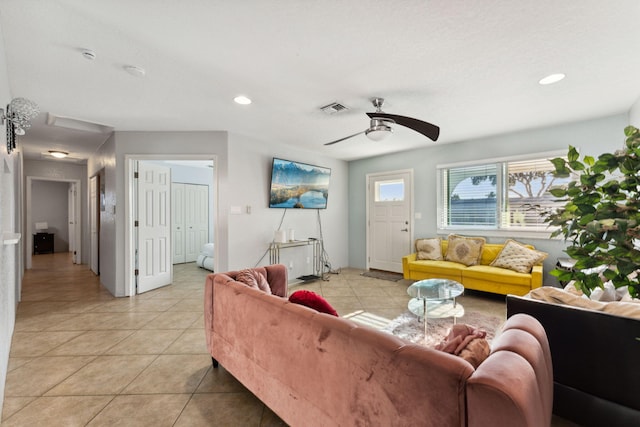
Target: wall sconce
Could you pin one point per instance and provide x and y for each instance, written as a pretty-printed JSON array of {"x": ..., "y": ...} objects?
[{"x": 18, "y": 116}]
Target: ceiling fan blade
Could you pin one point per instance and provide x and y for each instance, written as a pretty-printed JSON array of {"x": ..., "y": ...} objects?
[
  {"x": 342, "y": 139},
  {"x": 427, "y": 129}
]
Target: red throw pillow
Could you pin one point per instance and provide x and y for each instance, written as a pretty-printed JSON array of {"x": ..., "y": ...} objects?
[{"x": 312, "y": 300}]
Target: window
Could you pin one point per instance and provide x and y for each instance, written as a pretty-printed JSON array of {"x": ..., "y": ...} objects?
[
  {"x": 506, "y": 194},
  {"x": 390, "y": 191}
]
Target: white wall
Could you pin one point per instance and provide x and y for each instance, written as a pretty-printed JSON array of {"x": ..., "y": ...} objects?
[
  {"x": 104, "y": 162},
  {"x": 10, "y": 265},
  {"x": 64, "y": 171},
  {"x": 591, "y": 137},
  {"x": 634, "y": 114},
  {"x": 50, "y": 204},
  {"x": 250, "y": 233}
]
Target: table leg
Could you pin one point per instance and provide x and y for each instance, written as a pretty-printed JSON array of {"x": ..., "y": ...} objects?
[
  {"x": 425, "y": 317},
  {"x": 454, "y": 314}
]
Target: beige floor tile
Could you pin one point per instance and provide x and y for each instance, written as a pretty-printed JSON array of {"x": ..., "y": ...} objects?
[
  {"x": 192, "y": 341},
  {"x": 223, "y": 409},
  {"x": 14, "y": 404},
  {"x": 189, "y": 304},
  {"x": 146, "y": 342},
  {"x": 103, "y": 375},
  {"x": 85, "y": 322},
  {"x": 41, "y": 374},
  {"x": 16, "y": 362},
  {"x": 329, "y": 291},
  {"x": 31, "y": 344},
  {"x": 142, "y": 410},
  {"x": 219, "y": 380},
  {"x": 58, "y": 411},
  {"x": 90, "y": 343},
  {"x": 171, "y": 374},
  {"x": 41, "y": 322},
  {"x": 175, "y": 320},
  {"x": 198, "y": 323},
  {"x": 154, "y": 304}
]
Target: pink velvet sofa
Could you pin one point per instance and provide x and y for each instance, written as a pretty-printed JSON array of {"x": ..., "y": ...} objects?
[{"x": 312, "y": 368}]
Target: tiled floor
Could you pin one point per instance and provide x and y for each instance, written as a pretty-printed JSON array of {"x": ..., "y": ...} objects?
[{"x": 82, "y": 357}]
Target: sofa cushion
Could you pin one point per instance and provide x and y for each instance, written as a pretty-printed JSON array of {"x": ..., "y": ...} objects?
[
  {"x": 465, "y": 250},
  {"x": 430, "y": 249},
  {"x": 312, "y": 300},
  {"x": 438, "y": 267},
  {"x": 253, "y": 279},
  {"x": 496, "y": 274},
  {"x": 517, "y": 257}
]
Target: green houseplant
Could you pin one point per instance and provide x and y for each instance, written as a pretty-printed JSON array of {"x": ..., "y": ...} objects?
[{"x": 600, "y": 219}]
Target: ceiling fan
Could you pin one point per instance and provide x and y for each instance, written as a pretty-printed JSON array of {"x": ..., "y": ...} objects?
[{"x": 379, "y": 127}]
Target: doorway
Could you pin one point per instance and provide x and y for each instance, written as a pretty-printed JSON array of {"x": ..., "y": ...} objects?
[
  {"x": 389, "y": 219},
  {"x": 132, "y": 206},
  {"x": 71, "y": 230}
]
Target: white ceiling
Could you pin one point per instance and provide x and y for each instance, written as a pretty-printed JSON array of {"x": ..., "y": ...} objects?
[{"x": 470, "y": 67}]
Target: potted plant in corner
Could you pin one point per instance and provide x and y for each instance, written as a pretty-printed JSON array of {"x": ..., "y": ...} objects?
[{"x": 600, "y": 219}]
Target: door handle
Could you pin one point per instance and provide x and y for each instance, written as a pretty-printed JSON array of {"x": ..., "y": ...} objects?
[{"x": 405, "y": 229}]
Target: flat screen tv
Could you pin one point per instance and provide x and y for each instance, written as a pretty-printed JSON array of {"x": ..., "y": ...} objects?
[{"x": 298, "y": 185}]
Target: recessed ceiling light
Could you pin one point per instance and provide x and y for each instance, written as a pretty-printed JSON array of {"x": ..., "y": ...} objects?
[
  {"x": 242, "y": 100},
  {"x": 552, "y": 78},
  {"x": 58, "y": 154}
]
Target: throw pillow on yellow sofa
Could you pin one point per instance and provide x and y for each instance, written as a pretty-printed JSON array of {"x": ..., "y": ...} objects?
[
  {"x": 464, "y": 250},
  {"x": 430, "y": 249},
  {"x": 517, "y": 257}
]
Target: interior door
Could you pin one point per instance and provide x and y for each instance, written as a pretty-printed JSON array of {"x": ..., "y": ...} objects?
[
  {"x": 75, "y": 234},
  {"x": 94, "y": 222},
  {"x": 178, "y": 223},
  {"x": 71, "y": 218},
  {"x": 389, "y": 212},
  {"x": 197, "y": 219},
  {"x": 154, "y": 226}
]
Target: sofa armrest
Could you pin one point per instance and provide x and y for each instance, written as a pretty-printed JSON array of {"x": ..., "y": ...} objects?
[
  {"x": 536, "y": 276},
  {"x": 405, "y": 264},
  {"x": 516, "y": 377}
]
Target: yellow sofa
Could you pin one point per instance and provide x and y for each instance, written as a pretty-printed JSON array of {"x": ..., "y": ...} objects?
[{"x": 481, "y": 277}]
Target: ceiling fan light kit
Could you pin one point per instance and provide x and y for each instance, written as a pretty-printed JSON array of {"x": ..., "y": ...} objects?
[
  {"x": 378, "y": 132},
  {"x": 379, "y": 127}
]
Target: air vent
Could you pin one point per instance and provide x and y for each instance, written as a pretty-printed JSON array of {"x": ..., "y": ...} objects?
[{"x": 333, "y": 108}]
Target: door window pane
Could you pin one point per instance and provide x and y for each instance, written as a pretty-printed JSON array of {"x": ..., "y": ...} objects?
[{"x": 390, "y": 191}]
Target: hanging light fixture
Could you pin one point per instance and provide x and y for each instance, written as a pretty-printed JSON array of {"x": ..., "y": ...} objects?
[
  {"x": 18, "y": 115},
  {"x": 58, "y": 154}
]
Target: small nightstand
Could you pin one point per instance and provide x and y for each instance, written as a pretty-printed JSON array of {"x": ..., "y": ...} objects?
[{"x": 42, "y": 243}]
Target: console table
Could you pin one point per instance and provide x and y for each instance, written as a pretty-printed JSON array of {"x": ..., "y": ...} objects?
[
  {"x": 316, "y": 244},
  {"x": 42, "y": 243}
]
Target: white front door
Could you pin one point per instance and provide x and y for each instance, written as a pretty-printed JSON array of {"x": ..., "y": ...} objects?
[
  {"x": 197, "y": 219},
  {"x": 389, "y": 211},
  {"x": 94, "y": 219},
  {"x": 154, "y": 226}
]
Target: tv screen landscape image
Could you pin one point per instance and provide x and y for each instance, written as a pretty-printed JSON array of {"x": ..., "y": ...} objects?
[{"x": 298, "y": 185}]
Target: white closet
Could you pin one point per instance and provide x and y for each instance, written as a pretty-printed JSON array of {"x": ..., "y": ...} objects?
[{"x": 190, "y": 220}]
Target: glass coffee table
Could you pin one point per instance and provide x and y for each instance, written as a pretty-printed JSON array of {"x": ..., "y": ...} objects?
[{"x": 435, "y": 298}]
